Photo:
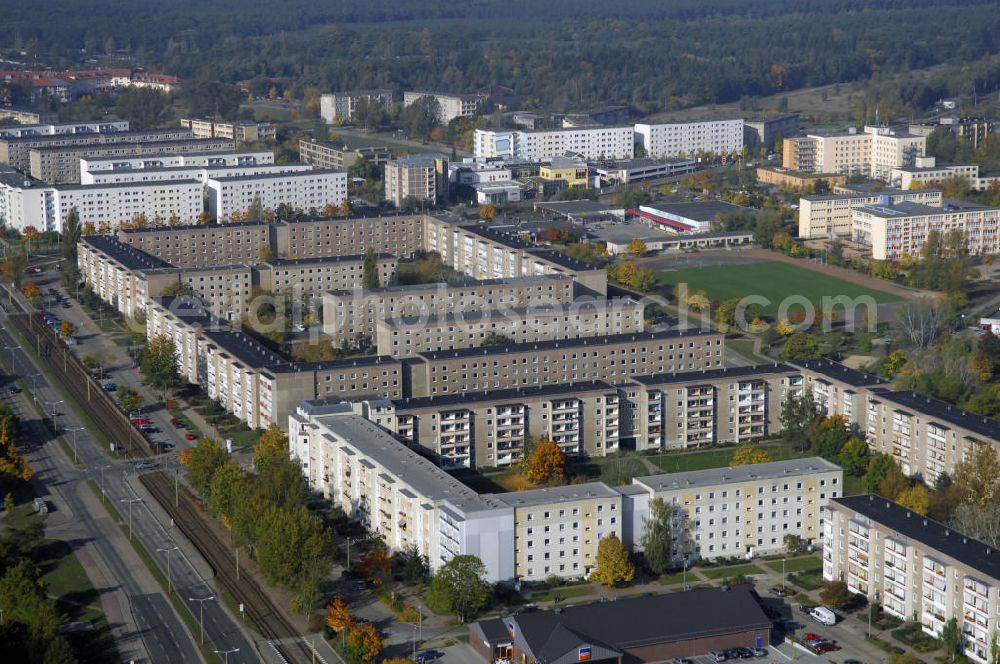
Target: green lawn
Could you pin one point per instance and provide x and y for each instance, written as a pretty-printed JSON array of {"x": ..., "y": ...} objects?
[
  {"x": 803, "y": 564},
  {"x": 723, "y": 572},
  {"x": 563, "y": 593},
  {"x": 774, "y": 281},
  {"x": 677, "y": 462}
]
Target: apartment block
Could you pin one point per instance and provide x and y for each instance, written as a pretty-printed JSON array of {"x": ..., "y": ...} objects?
[
  {"x": 917, "y": 568},
  {"x": 305, "y": 190},
  {"x": 585, "y": 317},
  {"x": 400, "y": 234},
  {"x": 590, "y": 142},
  {"x": 15, "y": 150},
  {"x": 767, "y": 131},
  {"x": 168, "y": 201},
  {"x": 177, "y": 160},
  {"x": 340, "y": 155},
  {"x": 833, "y": 214},
  {"x": 201, "y": 246},
  {"x": 342, "y": 106},
  {"x": 615, "y": 359},
  {"x": 872, "y": 153},
  {"x": 450, "y": 106},
  {"x": 419, "y": 177},
  {"x": 61, "y": 165},
  {"x": 318, "y": 275},
  {"x": 350, "y": 313},
  {"x": 926, "y": 170},
  {"x": 26, "y": 202},
  {"x": 491, "y": 428},
  {"x": 740, "y": 511},
  {"x": 678, "y": 410},
  {"x": 839, "y": 390},
  {"x": 38, "y": 129},
  {"x": 240, "y": 132},
  {"x": 896, "y": 230},
  {"x": 684, "y": 139},
  {"x": 26, "y": 116},
  {"x": 201, "y": 174}
]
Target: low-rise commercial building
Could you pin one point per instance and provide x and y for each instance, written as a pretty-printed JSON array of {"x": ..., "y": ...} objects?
[
  {"x": 304, "y": 190},
  {"x": 687, "y": 139},
  {"x": 896, "y": 230},
  {"x": 916, "y": 568},
  {"x": 832, "y": 215},
  {"x": 584, "y": 317},
  {"x": 343, "y": 106},
  {"x": 794, "y": 179},
  {"x": 341, "y": 155},
  {"x": 636, "y": 170}
]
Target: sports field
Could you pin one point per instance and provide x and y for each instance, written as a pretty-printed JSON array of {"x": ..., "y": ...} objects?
[{"x": 772, "y": 280}]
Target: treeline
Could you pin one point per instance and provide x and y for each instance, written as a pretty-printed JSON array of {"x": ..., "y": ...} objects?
[{"x": 561, "y": 55}]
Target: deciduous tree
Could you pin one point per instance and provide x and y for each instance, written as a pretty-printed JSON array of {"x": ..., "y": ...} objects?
[
  {"x": 159, "y": 364},
  {"x": 67, "y": 329},
  {"x": 375, "y": 566},
  {"x": 613, "y": 563},
  {"x": 656, "y": 540},
  {"x": 459, "y": 587},
  {"x": 637, "y": 247},
  {"x": 748, "y": 454},
  {"x": 544, "y": 462},
  {"x": 206, "y": 458},
  {"x": 835, "y": 594},
  {"x": 797, "y": 416},
  {"x": 916, "y": 498},
  {"x": 338, "y": 615},
  {"x": 364, "y": 643},
  {"x": 977, "y": 476},
  {"x": 369, "y": 270},
  {"x": 487, "y": 211},
  {"x": 854, "y": 457}
]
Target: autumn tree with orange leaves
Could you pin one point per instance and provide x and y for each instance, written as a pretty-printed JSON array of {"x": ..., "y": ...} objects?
[
  {"x": 364, "y": 643},
  {"x": 338, "y": 616},
  {"x": 544, "y": 461},
  {"x": 375, "y": 566}
]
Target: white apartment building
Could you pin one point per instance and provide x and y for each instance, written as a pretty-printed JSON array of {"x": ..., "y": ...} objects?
[
  {"x": 25, "y": 202},
  {"x": 450, "y": 106},
  {"x": 833, "y": 214},
  {"x": 304, "y": 190},
  {"x": 589, "y": 142},
  {"x": 926, "y": 170},
  {"x": 677, "y": 139},
  {"x": 20, "y": 131},
  {"x": 192, "y": 159},
  {"x": 113, "y": 204},
  {"x": 343, "y": 105},
  {"x": 201, "y": 174},
  {"x": 894, "y": 231},
  {"x": 875, "y": 152},
  {"x": 917, "y": 568}
]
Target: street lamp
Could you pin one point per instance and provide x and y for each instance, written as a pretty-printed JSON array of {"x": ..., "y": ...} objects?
[
  {"x": 12, "y": 349},
  {"x": 201, "y": 612},
  {"x": 130, "y": 501},
  {"x": 350, "y": 540},
  {"x": 103, "y": 495},
  {"x": 225, "y": 653},
  {"x": 168, "y": 551},
  {"x": 52, "y": 404},
  {"x": 74, "y": 430}
]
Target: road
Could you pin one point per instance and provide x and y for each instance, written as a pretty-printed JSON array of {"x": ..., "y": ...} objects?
[{"x": 222, "y": 630}]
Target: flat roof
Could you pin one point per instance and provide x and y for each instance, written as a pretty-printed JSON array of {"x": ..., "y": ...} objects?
[
  {"x": 512, "y": 394},
  {"x": 189, "y": 309},
  {"x": 712, "y": 374},
  {"x": 274, "y": 176},
  {"x": 570, "y": 208},
  {"x": 512, "y": 313},
  {"x": 125, "y": 185},
  {"x": 773, "y": 470},
  {"x": 558, "y": 494},
  {"x": 127, "y": 144},
  {"x": 837, "y": 371},
  {"x": 245, "y": 348},
  {"x": 166, "y": 155},
  {"x": 885, "y": 192},
  {"x": 941, "y": 410},
  {"x": 137, "y": 133},
  {"x": 698, "y": 210},
  {"x": 192, "y": 228},
  {"x": 567, "y": 344},
  {"x": 640, "y": 162},
  {"x": 294, "y": 262},
  {"x": 900, "y": 209},
  {"x": 972, "y": 553},
  {"x": 346, "y": 143},
  {"x": 449, "y": 285},
  {"x": 131, "y": 258}
]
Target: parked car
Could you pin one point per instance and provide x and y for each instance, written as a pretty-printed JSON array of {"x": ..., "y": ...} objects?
[
  {"x": 148, "y": 428},
  {"x": 429, "y": 656},
  {"x": 145, "y": 465},
  {"x": 109, "y": 385},
  {"x": 823, "y": 615},
  {"x": 190, "y": 436},
  {"x": 140, "y": 420},
  {"x": 176, "y": 422},
  {"x": 779, "y": 591},
  {"x": 745, "y": 653},
  {"x": 14, "y": 389},
  {"x": 718, "y": 655},
  {"x": 826, "y": 647},
  {"x": 811, "y": 636}
]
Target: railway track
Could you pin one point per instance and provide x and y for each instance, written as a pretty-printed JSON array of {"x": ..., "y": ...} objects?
[{"x": 270, "y": 621}]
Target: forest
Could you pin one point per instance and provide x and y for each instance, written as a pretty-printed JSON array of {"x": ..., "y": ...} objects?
[{"x": 559, "y": 55}]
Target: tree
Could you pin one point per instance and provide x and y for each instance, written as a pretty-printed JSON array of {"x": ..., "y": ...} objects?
[
  {"x": 801, "y": 346},
  {"x": 33, "y": 293},
  {"x": 128, "y": 398},
  {"x": 414, "y": 566},
  {"x": 613, "y": 564},
  {"x": 13, "y": 267},
  {"x": 797, "y": 415},
  {"x": 793, "y": 543},
  {"x": 458, "y": 587},
  {"x": 656, "y": 540},
  {"x": 989, "y": 346},
  {"x": 375, "y": 566},
  {"x": 487, "y": 212},
  {"x": 338, "y": 615},
  {"x": 159, "y": 364},
  {"x": 878, "y": 467},
  {"x": 420, "y": 117},
  {"x": 265, "y": 254},
  {"x": 894, "y": 483},
  {"x": 952, "y": 639},
  {"x": 916, "y": 498},
  {"x": 206, "y": 458},
  {"x": 364, "y": 643},
  {"x": 70, "y": 234},
  {"x": 144, "y": 108},
  {"x": 273, "y": 443},
  {"x": 543, "y": 462},
  {"x": 835, "y": 594},
  {"x": 828, "y": 436},
  {"x": 30, "y": 234},
  {"x": 637, "y": 247},
  {"x": 495, "y": 339},
  {"x": 369, "y": 270},
  {"x": 8, "y": 502},
  {"x": 921, "y": 321},
  {"x": 979, "y": 521},
  {"x": 854, "y": 457},
  {"x": 977, "y": 476},
  {"x": 67, "y": 329},
  {"x": 747, "y": 454}
]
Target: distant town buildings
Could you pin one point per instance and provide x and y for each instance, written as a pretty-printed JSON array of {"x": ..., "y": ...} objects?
[
  {"x": 342, "y": 106},
  {"x": 342, "y": 154},
  {"x": 450, "y": 106},
  {"x": 587, "y": 142},
  {"x": 241, "y": 132},
  {"x": 871, "y": 153}
]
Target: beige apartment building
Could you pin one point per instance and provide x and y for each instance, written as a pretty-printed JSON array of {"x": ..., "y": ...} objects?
[
  {"x": 742, "y": 511},
  {"x": 402, "y": 235},
  {"x": 415, "y": 178},
  {"x": 350, "y": 313},
  {"x": 833, "y": 214},
  {"x": 916, "y": 568},
  {"x": 872, "y": 153},
  {"x": 340, "y": 155},
  {"x": 240, "y": 132},
  {"x": 15, "y": 151},
  {"x": 61, "y": 165},
  {"x": 584, "y": 317},
  {"x": 614, "y": 359},
  {"x": 202, "y": 246},
  {"x": 722, "y": 405},
  {"x": 318, "y": 275},
  {"x": 895, "y": 231},
  {"x": 489, "y": 429}
]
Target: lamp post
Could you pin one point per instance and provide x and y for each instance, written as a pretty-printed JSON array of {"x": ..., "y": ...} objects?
[
  {"x": 201, "y": 612},
  {"x": 52, "y": 404},
  {"x": 74, "y": 430},
  {"x": 225, "y": 653},
  {"x": 12, "y": 349},
  {"x": 349, "y": 541},
  {"x": 130, "y": 501},
  {"x": 103, "y": 495},
  {"x": 168, "y": 551}
]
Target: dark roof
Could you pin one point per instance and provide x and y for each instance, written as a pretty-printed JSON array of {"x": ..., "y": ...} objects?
[
  {"x": 128, "y": 256},
  {"x": 941, "y": 410},
  {"x": 968, "y": 551},
  {"x": 328, "y": 365},
  {"x": 562, "y": 259},
  {"x": 566, "y": 343},
  {"x": 245, "y": 348},
  {"x": 837, "y": 371},
  {"x": 640, "y": 621},
  {"x": 190, "y": 228},
  {"x": 141, "y": 136},
  {"x": 188, "y": 309},
  {"x": 711, "y": 374},
  {"x": 494, "y": 630},
  {"x": 502, "y": 395},
  {"x": 97, "y": 147},
  {"x": 356, "y": 258},
  {"x": 127, "y": 185},
  {"x": 275, "y": 176},
  {"x": 699, "y": 210}
]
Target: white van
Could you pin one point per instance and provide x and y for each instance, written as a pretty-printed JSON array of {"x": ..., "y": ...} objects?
[{"x": 823, "y": 615}]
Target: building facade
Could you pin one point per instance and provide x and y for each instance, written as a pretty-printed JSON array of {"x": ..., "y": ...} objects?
[
  {"x": 685, "y": 139},
  {"x": 342, "y": 106},
  {"x": 240, "y": 132},
  {"x": 414, "y": 178},
  {"x": 895, "y": 231},
  {"x": 303, "y": 190},
  {"x": 832, "y": 215},
  {"x": 340, "y": 156},
  {"x": 450, "y": 106}
]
